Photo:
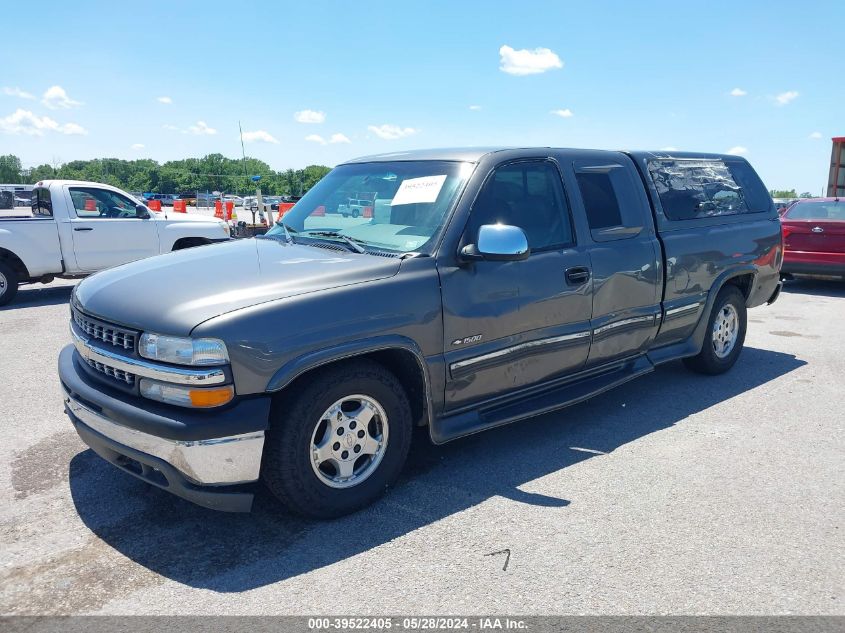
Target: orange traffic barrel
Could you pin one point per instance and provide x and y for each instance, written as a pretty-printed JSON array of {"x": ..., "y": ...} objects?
[
  {"x": 367, "y": 213},
  {"x": 218, "y": 209},
  {"x": 154, "y": 205},
  {"x": 90, "y": 204},
  {"x": 319, "y": 211},
  {"x": 284, "y": 207},
  {"x": 179, "y": 206},
  {"x": 230, "y": 206}
]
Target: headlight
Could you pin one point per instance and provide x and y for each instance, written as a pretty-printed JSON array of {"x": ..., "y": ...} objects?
[
  {"x": 200, "y": 397},
  {"x": 183, "y": 351}
]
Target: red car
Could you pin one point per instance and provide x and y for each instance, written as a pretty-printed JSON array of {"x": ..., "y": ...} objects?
[{"x": 814, "y": 238}]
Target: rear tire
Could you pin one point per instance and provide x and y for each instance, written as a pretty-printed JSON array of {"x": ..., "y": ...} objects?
[
  {"x": 330, "y": 423},
  {"x": 8, "y": 283},
  {"x": 725, "y": 334}
]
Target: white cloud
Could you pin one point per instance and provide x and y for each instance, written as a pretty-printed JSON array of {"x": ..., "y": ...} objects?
[
  {"x": 259, "y": 136},
  {"x": 564, "y": 113},
  {"x": 167, "y": 126},
  {"x": 815, "y": 135},
  {"x": 527, "y": 62},
  {"x": 737, "y": 150},
  {"x": 316, "y": 138},
  {"x": 309, "y": 116},
  {"x": 738, "y": 92},
  {"x": 339, "y": 138},
  {"x": 164, "y": 100},
  {"x": 17, "y": 92},
  {"x": 201, "y": 128},
  {"x": 72, "y": 128},
  {"x": 785, "y": 97},
  {"x": 56, "y": 98},
  {"x": 137, "y": 146},
  {"x": 475, "y": 107},
  {"x": 25, "y": 122},
  {"x": 670, "y": 148},
  {"x": 391, "y": 132}
]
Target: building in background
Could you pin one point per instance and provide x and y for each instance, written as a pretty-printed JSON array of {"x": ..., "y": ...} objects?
[{"x": 836, "y": 180}]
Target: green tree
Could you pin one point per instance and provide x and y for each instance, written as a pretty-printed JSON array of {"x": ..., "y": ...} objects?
[
  {"x": 783, "y": 193},
  {"x": 806, "y": 194},
  {"x": 42, "y": 172},
  {"x": 213, "y": 172},
  {"x": 10, "y": 169}
]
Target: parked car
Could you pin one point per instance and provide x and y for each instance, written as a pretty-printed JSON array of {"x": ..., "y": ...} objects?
[
  {"x": 814, "y": 238},
  {"x": 781, "y": 204},
  {"x": 488, "y": 287},
  {"x": 166, "y": 199},
  {"x": 77, "y": 228}
]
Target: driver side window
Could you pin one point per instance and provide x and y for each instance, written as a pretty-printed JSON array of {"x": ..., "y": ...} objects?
[
  {"x": 529, "y": 195},
  {"x": 91, "y": 203}
]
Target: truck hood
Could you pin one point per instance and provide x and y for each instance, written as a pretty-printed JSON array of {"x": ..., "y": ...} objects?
[{"x": 173, "y": 293}]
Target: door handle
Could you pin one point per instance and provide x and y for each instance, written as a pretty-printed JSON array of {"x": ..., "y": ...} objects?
[
  {"x": 577, "y": 275},
  {"x": 83, "y": 228}
]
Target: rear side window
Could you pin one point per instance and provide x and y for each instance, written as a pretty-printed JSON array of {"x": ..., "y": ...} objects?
[
  {"x": 612, "y": 200},
  {"x": 42, "y": 204},
  {"x": 696, "y": 188},
  {"x": 600, "y": 200}
]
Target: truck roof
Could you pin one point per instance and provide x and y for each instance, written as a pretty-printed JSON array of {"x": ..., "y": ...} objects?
[{"x": 474, "y": 154}]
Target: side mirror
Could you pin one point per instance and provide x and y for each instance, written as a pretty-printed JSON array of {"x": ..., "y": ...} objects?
[
  {"x": 141, "y": 212},
  {"x": 498, "y": 243}
]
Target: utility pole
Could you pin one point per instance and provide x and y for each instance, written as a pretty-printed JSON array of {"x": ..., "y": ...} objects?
[{"x": 243, "y": 152}]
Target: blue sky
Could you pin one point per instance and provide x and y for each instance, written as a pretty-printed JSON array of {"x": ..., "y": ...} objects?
[{"x": 84, "y": 80}]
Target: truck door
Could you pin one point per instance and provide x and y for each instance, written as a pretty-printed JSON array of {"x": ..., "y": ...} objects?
[
  {"x": 106, "y": 231},
  {"x": 625, "y": 257},
  {"x": 509, "y": 325}
]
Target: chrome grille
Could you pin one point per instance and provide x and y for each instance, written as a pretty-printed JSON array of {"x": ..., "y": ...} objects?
[
  {"x": 113, "y": 372},
  {"x": 104, "y": 332}
]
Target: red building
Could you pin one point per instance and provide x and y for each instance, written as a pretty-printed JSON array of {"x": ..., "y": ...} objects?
[{"x": 836, "y": 180}]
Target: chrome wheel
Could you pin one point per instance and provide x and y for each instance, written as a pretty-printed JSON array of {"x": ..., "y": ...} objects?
[
  {"x": 725, "y": 330},
  {"x": 349, "y": 441},
  {"x": 3, "y": 284}
]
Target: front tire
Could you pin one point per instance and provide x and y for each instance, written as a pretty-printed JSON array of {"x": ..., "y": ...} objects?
[
  {"x": 725, "y": 336},
  {"x": 8, "y": 283},
  {"x": 337, "y": 443}
]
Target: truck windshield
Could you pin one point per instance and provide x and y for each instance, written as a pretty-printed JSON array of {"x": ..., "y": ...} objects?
[{"x": 395, "y": 206}]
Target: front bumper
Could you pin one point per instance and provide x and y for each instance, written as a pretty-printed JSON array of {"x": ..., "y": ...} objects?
[{"x": 181, "y": 452}]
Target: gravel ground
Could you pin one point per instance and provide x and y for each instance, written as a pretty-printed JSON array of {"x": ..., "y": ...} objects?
[{"x": 674, "y": 494}]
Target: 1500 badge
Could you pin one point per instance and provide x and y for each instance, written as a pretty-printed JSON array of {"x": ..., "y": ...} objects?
[{"x": 475, "y": 338}]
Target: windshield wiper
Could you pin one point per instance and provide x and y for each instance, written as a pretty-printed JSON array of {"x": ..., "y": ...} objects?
[
  {"x": 288, "y": 230},
  {"x": 287, "y": 233},
  {"x": 349, "y": 241}
]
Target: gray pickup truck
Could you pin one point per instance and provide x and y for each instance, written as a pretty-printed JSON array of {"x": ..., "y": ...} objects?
[{"x": 486, "y": 286}]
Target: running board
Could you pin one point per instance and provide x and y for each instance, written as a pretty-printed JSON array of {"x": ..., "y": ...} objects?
[{"x": 452, "y": 427}]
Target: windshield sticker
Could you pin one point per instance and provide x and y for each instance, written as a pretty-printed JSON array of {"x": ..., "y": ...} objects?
[{"x": 413, "y": 190}]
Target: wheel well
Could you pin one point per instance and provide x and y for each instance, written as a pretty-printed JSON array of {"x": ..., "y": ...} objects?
[
  {"x": 401, "y": 363},
  {"x": 15, "y": 263},
  {"x": 743, "y": 282},
  {"x": 189, "y": 242}
]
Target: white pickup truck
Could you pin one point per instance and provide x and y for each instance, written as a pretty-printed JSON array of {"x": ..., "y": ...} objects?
[{"x": 77, "y": 228}]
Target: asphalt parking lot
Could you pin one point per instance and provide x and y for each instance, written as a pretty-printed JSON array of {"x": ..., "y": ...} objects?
[{"x": 674, "y": 494}]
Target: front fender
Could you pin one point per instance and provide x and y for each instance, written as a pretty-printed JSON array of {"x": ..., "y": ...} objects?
[
  {"x": 314, "y": 359},
  {"x": 171, "y": 231}
]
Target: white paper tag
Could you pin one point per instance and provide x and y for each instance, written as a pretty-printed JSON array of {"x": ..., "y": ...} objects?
[{"x": 425, "y": 189}]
